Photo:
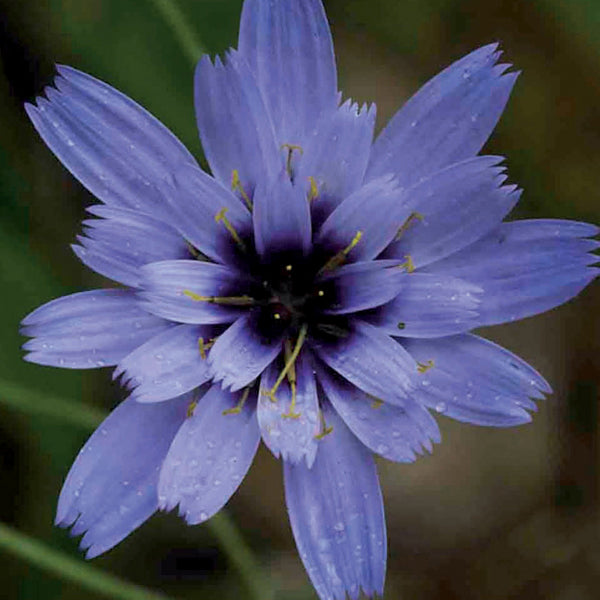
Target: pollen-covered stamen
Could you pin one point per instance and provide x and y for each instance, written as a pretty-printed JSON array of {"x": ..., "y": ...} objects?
[
  {"x": 340, "y": 258},
  {"x": 221, "y": 218},
  {"x": 191, "y": 408},
  {"x": 325, "y": 430},
  {"x": 223, "y": 300},
  {"x": 290, "y": 150},
  {"x": 424, "y": 367},
  {"x": 289, "y": 364},
  {"x": 236, "y": 186},
  {"x": 313, "y": 193},
  {"x": 407, "y": 224},
  {"x": 291, "y": 377},
  {"x": 408, "y": 265},
  {"x": 237, "y": 409},
  {"x": 204, "y": 346}
]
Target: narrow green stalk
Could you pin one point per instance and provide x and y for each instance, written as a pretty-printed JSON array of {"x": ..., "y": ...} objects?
[
  {"x": 88, "y": 418},
  {"x": 58, "y": 563},
  {"x": 185, "y": 35}
]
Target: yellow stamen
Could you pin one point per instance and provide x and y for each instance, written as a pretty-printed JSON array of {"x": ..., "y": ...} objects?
[
  {"x": 236, "y": 410},
  {"x": 236, "y": 186},
  {"x": 277, "y": 316},
  {"x": 424, "y": 367},
  {"x": 221, "y": 218},
  {"x": 289, "y": 364},
  {"x": 191, "y": 408},
  {"x": 291, "y": 376},
  {"x": 408, "y": 265},
  {"x": 204, "y": 346},
  {"x": 289, "y": 268},
  {"x": 313, "y": 194},
  {"x": 320, "y": 293},
  {"x": 223, "y": 300},
  {"x": 340, "y": 257},
  {"x": 324, "y": 429},
  {"x": 411, "y": 219},
  {"x": 377, "y": 402},
  {"x": 290, "y": 148}
]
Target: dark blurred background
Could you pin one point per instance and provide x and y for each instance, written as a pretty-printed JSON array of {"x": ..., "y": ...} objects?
[{"x": 492, "y": 514}]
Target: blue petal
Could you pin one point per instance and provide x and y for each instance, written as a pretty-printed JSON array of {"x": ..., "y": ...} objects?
[
  {"x": 446, "y": 121},
  {"x": 196, "y": 200},
  {"x": 111, "y": 488},
  {"x": 377, "y": 211},
  {"x": 336, "y": 513},
  {"x": 290, "y": 431},
  {"x": 395, "y": 433},
  {"x": 118, "y": 244},
  {"x": 209, "y": 457},
  {"x": 168, "y": 365},
  {"x": 526, "y": 267},
  {"x": 235, "y": 129},
  {"x": 240, "y": 354},
  {"x": 281, "y": 217},
  {"x": 429, "y": 306},
  {"x": 372, "y": 361},
  {"x": 455, "y": 207},
  {"x": 289, "y": 49},
  {"x": 476, "y": 381},
  {"x": 336, "y": 156},
  {"x": 88, "y": 329},
  {"x": 170, "y": 289},
  {"x": 360, "y": 286},
  {"x": 111, "y": 144}
]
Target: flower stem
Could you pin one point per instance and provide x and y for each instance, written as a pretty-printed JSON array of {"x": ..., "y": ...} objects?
[
  {"x": 186, "y": 37},
  {"x": 221, "y": 525},
  {"x": 58, "y": 563}
]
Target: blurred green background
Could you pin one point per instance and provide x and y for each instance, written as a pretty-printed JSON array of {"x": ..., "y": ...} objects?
[{"x": 493, "y": 514}]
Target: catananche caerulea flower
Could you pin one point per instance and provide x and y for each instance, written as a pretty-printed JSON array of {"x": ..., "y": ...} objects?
[{"x": 316, "y": 291}]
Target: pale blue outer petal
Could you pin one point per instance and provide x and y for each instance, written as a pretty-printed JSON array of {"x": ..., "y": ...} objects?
[
  {"x": 377, "y": 210},
  {"x": 235, "y": 128},
  {"x": 281, "y": 217},
  {"x": 361, "y": 286},
  {"x": 195, "y": 200},
  {"x": 372, "y": 361},
  {"x": 168, "y": 365},
  {"x": 167, "y": 286},
  {"x": 429, "y": 305},
  {"x": 290, "y": 432},
  {"x": 526, "y": 267},
  {"x": 476, "y": 381},
  {"x": 240, "y": 354},
  {"x": 88, "y": 329},
  {"x": 289, "y": 49},
  {"x": 398, "y": 434},
  {"x": 111, "y": 144},
  {"x": 336, "y": 155},
  {"x": 336, "y": 513},
  {"x": 122, "y": 241},
  {"x": 111, "y": 488},
  {"x": 209, "y": 456},
  {"x": 446, "y": 121},
  {"x": 455, "y": 207}
]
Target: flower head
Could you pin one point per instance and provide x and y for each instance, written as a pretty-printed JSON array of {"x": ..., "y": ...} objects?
[{"x": 315, "y": 291}]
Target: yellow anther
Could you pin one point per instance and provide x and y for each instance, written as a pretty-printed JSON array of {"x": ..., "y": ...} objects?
[
  {"x": 221, "y": 218},
  {"x": 424, "y": 367},
  {"x": 313, "y": 194},
  {"x": 236, "y": 186},
  {"x": 320, "y": 293},
  {"x": 223, "y": 300},
  {"x": 289, "y": 364},
  {"x": 289, "y": 268},
  {"x": 340, "y": 257},
  {"x": 277, "y": 316},
  {"x": 291, "y": 377},
  {"x": 191, "y": 408},
  {"x": 204, "y": 346},
  {"x": 236, "y": 410},
  {"x": 290, "y": 149},
  {"x": 411, "y": 219},
  {"x": 408, "y": 265},
  {"x": 377, "y": 403},
  {"x": 324, "y": 429}
]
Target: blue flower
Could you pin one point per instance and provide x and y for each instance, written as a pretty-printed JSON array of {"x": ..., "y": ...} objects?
[{"x": 316, "y": 291}]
